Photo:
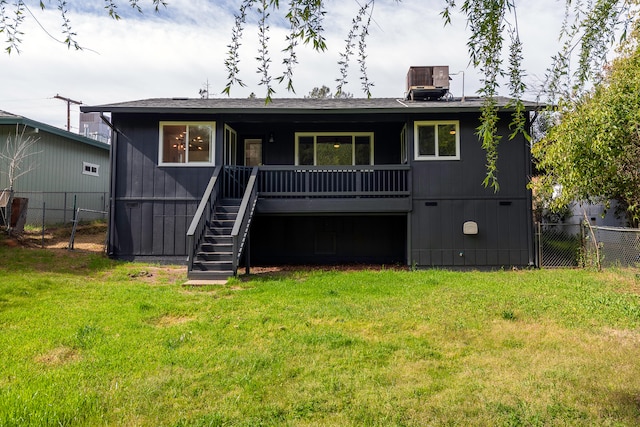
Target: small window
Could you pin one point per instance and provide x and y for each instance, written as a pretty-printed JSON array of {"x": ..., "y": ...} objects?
[
  {"x": 186, "y": 143},
  {"x": 437, "y": 140},
  {"x": 90, "y": 169}
]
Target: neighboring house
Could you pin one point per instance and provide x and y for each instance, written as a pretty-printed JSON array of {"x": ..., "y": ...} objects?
[
  {"x": 67, "y": 170},
  {"x": 315, "y": 181}
]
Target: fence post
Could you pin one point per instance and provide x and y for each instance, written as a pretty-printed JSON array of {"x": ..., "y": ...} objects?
[
  {"x": 64, "y": 209},
  {"x": 43, "y": 213},
  {"x": 539, "y": 241}
]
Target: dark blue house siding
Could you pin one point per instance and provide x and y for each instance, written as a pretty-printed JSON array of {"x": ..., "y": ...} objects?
[
  {"x": 446, "y": 194},
  {"x": 153, "y": 205}
]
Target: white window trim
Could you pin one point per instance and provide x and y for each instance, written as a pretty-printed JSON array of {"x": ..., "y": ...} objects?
[
  {"x": 212, "y": 151},
  {"x": 436, "y": 156},
  {"x": 86, "y": 165},
  {"x": 353, "y": 136}
]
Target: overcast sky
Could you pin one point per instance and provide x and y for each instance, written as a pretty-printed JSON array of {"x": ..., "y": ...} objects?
[{"x": 174, "y": 53}]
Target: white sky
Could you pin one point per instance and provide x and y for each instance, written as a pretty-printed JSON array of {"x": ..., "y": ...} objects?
[{"x": 174, "y": 53}]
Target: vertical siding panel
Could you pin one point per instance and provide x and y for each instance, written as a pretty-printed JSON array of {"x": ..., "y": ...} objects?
[
  {"x": 168, "y": 229},
  {"x": 158, "y": 228}
]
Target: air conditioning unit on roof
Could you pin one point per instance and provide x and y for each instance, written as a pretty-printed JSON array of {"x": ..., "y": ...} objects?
[{"x": 427, "y": 83}]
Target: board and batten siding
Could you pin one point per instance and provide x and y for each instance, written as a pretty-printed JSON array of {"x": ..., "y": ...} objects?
[
  {"x": 446, "y": 194},
  {"x": 154, "y": 205},
  {"x": 58, "y": 164}
]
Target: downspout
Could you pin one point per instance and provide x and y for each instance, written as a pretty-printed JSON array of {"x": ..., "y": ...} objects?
[
  {"x": 531, "y": 241},
  {"x": 112, "y": 184}
]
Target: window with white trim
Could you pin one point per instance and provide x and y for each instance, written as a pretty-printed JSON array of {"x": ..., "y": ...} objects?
[
  {"x": 90, "y": 169},
  {"x": 437, "y": 140},
  {"x": 187, "y": 143},
  {"x": 334, "y": 148}
]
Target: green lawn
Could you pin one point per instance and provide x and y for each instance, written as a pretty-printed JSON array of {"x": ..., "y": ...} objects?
[{"x": 88, "y": 341}]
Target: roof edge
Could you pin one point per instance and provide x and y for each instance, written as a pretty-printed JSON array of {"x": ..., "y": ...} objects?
[{"x": 21, "y": 120}]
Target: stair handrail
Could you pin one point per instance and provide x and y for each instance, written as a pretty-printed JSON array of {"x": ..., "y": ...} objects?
[
  {"x": 243, "y": 220},
  {"x": 202, "y": 216}
]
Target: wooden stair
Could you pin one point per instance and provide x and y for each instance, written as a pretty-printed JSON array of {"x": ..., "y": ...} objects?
[{"x": 214, "y": 256}]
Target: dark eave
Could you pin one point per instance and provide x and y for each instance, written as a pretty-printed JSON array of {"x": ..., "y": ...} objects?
[
  {"x": 13, "y": 119},
  {"x": 300, "y": 106}
]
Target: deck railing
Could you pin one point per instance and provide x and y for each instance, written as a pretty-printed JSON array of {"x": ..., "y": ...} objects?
[
  {"x": 243, "y": 220},
  {"x": 335, "y": 181},
  {"x": 202, "y": 216}
]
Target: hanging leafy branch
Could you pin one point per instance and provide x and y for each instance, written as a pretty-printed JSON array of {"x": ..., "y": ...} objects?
[
  {"x": 263, "y": 50},
  {"x": 589, "y": 31},
  {"x": 361, "y": 27},
  {"x": 11, "y": 21},
  {"x": 10, "y": 25}
]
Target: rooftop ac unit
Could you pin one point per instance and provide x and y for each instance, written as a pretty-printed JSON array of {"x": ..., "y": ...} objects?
[{"x": 427, "y": 83}]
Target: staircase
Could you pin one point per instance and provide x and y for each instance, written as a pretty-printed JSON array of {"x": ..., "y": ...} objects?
[{"x": 214, "y": 257}]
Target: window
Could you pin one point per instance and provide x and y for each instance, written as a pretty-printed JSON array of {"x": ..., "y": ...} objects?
[
  {"x": 334, "y": 149},
  {"x": 437, "y": 140},
  {"x": 90, "y": 169},
  {"x": 186, "y": 143}
]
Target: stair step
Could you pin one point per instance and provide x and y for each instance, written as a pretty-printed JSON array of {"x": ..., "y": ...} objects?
[
  {"x": 219, "y": 231},
  {"x": 215, "y": 223},
  {"x": 214, "y": 256},
  {"x": 216, "y": 246},
  {"x": 217, "y": 239},
  {"x": 209, "y": 275},
  {"x": 225, "y": 216},
  {"x": 230, "y": 202},
  {"x": 199, "y": 265}
]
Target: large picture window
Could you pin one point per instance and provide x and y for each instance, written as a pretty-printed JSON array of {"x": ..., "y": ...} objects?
[
  {"x": 334, "y": 149},
  {"x": 437, "y": 140},
  {"x": 186, "y": 143}
]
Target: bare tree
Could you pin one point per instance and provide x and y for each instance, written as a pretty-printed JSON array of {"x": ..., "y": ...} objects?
[{"x": 16, "y": 160}]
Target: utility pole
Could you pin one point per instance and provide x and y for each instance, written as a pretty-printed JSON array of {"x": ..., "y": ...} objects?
[{"x": 69, "y": 102}]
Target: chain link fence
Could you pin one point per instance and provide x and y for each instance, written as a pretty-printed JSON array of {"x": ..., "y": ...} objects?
[
  {"x": 612, "y": 246},
  {"x": 559, "y": 245},
  {"x": 578, "y": 245},
  {"x": 59, "y": 207}
]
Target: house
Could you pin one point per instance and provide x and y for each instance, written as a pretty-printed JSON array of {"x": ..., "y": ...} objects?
[
  {"x": 67, "y": 170},
  {"x": 298, "y": 181}
]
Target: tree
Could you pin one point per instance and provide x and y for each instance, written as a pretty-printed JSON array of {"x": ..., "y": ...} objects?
[
  {"x": 324, "y": 92},
  {"x": 593, "y": 152},
  {"x": 588, "y": 33},
  {"x": 16, "y": 161}
]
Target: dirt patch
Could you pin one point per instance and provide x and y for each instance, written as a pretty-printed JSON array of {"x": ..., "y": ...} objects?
[
  {"x": 160, "y": 274},
  {"x": 90, "y": 237},
  {"x": 171, "y": 320},
  {"x": 58, "y": 356}
]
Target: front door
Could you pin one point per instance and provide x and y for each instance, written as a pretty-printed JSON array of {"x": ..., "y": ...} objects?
[{"x": 253, "y": 152}]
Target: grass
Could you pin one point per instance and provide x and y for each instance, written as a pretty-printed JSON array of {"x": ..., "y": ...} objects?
[{"x": 88, "y": 341}]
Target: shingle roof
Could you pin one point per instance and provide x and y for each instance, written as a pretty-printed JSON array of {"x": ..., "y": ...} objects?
[{"x": 298, "y": 105}]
